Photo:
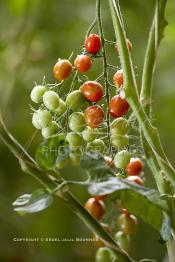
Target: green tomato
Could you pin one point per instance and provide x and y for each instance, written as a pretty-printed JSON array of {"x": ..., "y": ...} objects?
[
  {"x": 96, "y": 145},
  {"x": 77, "y": 122},
  {"x": 35, "y": 121},
  {"x": 61, "y": 164},
  {"x": 89, "y": 134},
  {"x": 119, "y": 126},
  {"x": 74, "y": 139},
  {"x": 122, "y": 158},
  {"x": 119, "y": 141},
  {"x": 37, "y": 93},
  {"x": 50, "y": 130},
  {"x": 105, "y": 254},
  {"x": 122, "y": 240},
  {"x": 75, "y": 156},
  {"x": 43, "y": 118},
  {"x": 51, "y": 100},
  {"x": 75, "y": 101},
  {"x": 61, "y": 109}
]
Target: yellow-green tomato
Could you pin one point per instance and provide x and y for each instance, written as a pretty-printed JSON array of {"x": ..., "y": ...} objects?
[
  {"x": 51, "y": 100},
  {"x": 89, "y": 134},
  {"x": 61, "y": 164},
  {"x": 43, "y": 118},
  {"x": 119, "y": 126},
  {"x": 105, "y": 254},
  {"x": 119, "y": 141},
  {"x": 74, "y": 139},
  {"x": 61, "y": 109},
  {"x": 127, "y": 223},
  {"x": 50, "y": 130},
  {"x": 122, "y": 158},
  {"x": 122, "y": 240},
  {"x": 75, "y": 156},
  {"x": 35, "y": 121},
  {"x": 96, "y": 145},
  {"x": 37, "y": 93},
  {"x": 75, "y": 101},
  {"x": 77, "y": 122}
]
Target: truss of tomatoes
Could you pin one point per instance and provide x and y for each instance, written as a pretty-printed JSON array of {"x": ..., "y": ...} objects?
[{"x": 84, "y": 122}]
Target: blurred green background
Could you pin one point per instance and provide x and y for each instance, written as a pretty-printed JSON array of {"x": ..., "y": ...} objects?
[{"x": 34, "y": 34}]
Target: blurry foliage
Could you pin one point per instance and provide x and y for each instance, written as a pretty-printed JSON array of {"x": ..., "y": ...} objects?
[{"x": 34, "y": 34}]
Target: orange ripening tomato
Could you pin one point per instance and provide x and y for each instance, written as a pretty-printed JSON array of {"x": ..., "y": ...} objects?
[
  {"x": 134, "y": 167},
  {"x": 118, "y": 78},
  {"x": 118, "y": 106},
  {"x": 95, "y": 207},
  {"x": 83, "y": 63},
  {"x": 94, "y": 116},
  {"x": 93, "y": 43},
  {"x": 62, "y": 69},
  {"x": 129, "y": 45},
  {"x": 127, "y": 224},
  {"x": 135, "y": 179},
  {"x": 92, "y": 91}
]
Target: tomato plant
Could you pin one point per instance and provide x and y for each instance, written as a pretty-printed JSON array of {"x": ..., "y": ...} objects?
[{"x": 88, "y": 124}]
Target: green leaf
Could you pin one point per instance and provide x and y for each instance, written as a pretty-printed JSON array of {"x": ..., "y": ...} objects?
[
  {"x": 143, "y": 202},
  {"x": 95, "y": 166},
  {"x": 32, "y": 203},
  {"x": 52, "y": 151}
]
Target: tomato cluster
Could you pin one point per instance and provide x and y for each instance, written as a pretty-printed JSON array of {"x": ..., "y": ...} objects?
[{"x": 85, "y": 114}]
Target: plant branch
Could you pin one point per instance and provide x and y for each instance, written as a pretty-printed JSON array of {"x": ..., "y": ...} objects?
[{"x": 105, "y": 68}]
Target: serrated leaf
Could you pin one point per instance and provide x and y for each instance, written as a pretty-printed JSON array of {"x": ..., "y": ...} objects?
[
  {"x": 143, "y": 202},
  {"x": 95, "y": 166},
  {"x": 32, "y": 203},
  {"x": 52, "y": 151}
]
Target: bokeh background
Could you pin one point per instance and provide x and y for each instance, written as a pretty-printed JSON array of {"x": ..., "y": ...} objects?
[{"x": 33, "y": 35}]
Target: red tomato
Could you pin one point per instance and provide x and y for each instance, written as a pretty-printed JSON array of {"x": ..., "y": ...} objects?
[
  {"x": 95, "y": 207},
  {"x": 93, "y": 43},
  {"x": 134, "y": 167},
  {"x": 135, "y": 179},
  {"x": 92, "y": 91},
  {"x": 62, "y": 69},
  {"x": 83, "y": 63},
  {"x": 118, "y": 78},
  {"x": 129, "y": 45},
  {"x": 118, "y": 106},
  {"x": 94, "y": 116}
]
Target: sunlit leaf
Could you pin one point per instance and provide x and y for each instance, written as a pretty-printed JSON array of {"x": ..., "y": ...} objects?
[{"x": 32, "y": 203}]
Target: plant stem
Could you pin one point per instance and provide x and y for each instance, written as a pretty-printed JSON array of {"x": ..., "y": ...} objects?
[
  {"x": 155, "y": 36},
  {"x": 150, "y": 132},
  {"x": 105, "y": 69}
]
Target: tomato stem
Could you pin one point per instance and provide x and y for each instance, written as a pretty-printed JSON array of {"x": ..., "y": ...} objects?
[{"x": 105, "y": 69}]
